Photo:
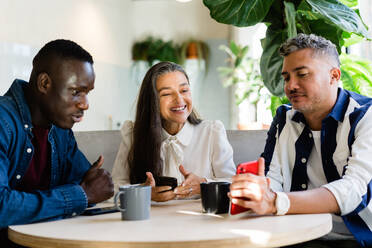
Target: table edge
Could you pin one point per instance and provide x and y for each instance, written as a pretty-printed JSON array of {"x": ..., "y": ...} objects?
[{"x": 43, "y": 242}]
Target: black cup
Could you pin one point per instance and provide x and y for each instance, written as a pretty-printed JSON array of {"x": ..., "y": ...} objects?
[
  {"x": 166, "y": 181},
  {"x": 214, "y": 197}
]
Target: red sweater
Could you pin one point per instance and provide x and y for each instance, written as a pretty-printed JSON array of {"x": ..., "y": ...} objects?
[{"x": 37, "y": 176}]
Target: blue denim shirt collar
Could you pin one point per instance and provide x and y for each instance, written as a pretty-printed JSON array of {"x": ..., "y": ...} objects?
[
  {"x": 339, "y": 110},
  {"x": 17, "y": 92}
]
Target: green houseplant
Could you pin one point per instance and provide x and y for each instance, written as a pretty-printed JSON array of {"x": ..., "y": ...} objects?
[
  {"x": 244, "y": 73},
  {"x": 338, "y": 21},
  {"x": 356, "y": 74},
  {"x": 155, "y": 49},
  {"x": 148, "y": 51}
]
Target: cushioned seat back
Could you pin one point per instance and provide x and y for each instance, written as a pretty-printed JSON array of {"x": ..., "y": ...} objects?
[
  {"x": 94, "y": 143},
  {"x": 247, "y": 145}
]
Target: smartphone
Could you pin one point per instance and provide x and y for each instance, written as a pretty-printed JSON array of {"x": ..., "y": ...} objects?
[
  {"x": 96, "y": 211},
  {"x": 247, "y": 167},
  {"x": 166, "y": 181}
]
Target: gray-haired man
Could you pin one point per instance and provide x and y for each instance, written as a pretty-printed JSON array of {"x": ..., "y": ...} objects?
[{"x": 318, "y": 148}]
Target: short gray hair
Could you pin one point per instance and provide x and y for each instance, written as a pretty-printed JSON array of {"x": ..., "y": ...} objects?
[{"x": 318, "y": 44}]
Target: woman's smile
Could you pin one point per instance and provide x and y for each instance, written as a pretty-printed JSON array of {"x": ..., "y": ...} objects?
[{"x": 179, "y": 109}]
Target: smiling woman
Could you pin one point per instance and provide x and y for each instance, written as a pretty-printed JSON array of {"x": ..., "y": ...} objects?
[
  {"x": 174, "y": 100},
  {"x": 168, "y": 138}
]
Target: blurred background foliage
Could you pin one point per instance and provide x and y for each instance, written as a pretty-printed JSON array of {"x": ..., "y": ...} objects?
[{"x": 243, "y": 73}]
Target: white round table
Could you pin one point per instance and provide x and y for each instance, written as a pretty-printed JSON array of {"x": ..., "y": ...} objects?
[{"x": 175, "y": 224}]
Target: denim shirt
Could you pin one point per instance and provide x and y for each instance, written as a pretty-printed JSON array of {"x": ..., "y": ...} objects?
[{"x": 65, "y": 197}]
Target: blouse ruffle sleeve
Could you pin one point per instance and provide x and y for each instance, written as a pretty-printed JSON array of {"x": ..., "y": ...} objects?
[
  {"x": 222, "y": 154},
  {"x": 120, "y": 171}
]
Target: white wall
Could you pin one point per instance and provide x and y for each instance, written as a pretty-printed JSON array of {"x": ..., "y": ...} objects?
[
  {"x": 107, "y": 29},
  {"x": 170, "y": 19},
  {"x": 95, "y": 24}
]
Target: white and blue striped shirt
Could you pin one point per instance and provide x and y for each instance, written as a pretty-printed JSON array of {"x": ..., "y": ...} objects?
[{"x": 345, "y": 157}]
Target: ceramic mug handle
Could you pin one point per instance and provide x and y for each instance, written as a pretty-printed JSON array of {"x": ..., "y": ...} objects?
[{"x": 116, "y": 201}]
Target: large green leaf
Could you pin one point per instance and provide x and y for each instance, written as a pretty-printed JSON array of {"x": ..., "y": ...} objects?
[
  {"x": 338, "y": 14},
  {"x": 271, "y": 62},
  {"x": 356, "y": 74},
  {"x": 350, "y": 3},
  {"x": 348, "y": 82},
  {"x": 276, "y": 102},
  {"x": 330, "y": 32},
  {"x": 275, "y": 16},
  {"x": 234, "y": 48},
  {"x": 241, "y": 13},
  {"x": 290, "y": 16},
  {"x": 360, "y": 69},
  {"x": 351, "y": 39}
]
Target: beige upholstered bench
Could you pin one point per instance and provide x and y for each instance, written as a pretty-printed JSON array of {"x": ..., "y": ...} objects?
[{"x": 247, "y": 145}]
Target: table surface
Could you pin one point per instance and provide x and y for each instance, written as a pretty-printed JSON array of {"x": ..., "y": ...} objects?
[{"x": 177, "y": 223}]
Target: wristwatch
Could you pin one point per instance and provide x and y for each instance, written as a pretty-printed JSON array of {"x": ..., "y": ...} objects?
[{"x": 282, "y": 203}]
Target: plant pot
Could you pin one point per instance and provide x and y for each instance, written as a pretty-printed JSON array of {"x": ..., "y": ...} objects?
[{"x": 192, "y": 51}]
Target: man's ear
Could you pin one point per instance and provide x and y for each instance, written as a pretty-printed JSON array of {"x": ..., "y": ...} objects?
[
  {"x": 335, "y": 75},
  {"x": 43, "y": 82}
]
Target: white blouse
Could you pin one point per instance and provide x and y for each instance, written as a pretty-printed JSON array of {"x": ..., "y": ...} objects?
[{"x": 202, "y": 149}]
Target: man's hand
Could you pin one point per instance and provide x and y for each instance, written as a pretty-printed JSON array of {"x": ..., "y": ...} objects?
[
  {"x": 191, "y": 185},
  {"x": 156, "y": 192},
  {"x": 97, "y": 183},
  {"x": 253, "y": 191}
]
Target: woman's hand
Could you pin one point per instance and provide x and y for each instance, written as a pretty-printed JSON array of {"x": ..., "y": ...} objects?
[
  {"x": 157, "y": 193},
  {"x": 191, "y": 185},
  {"x": 253, "y": 191}
]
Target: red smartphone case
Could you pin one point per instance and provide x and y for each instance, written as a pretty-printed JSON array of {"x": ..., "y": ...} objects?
[{"x": 247, "y": 167}]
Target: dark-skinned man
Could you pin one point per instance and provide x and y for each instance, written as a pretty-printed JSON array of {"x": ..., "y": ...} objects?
[{"x": 43, "y": 174}]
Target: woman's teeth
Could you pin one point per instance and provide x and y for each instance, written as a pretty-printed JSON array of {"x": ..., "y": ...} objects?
[{"x": 178, "y": 109}]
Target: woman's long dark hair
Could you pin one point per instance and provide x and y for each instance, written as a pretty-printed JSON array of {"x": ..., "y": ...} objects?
[{"x": 144, "y": 154}]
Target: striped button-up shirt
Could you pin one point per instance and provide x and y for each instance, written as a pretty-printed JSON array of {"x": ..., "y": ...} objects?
[{"x": 345, "y": 154}]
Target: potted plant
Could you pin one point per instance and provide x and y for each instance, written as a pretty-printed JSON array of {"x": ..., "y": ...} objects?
[
  {"x": 155, "y": 49},
  {"x": 149, "y": 51},
  {"x": 162, "y": 51},
  {"x": 140, "y": 49},
  {"x": 244, "y": 74},
  {"x": 140, "y": 59},
  {"x": 194, "y": 49}
]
